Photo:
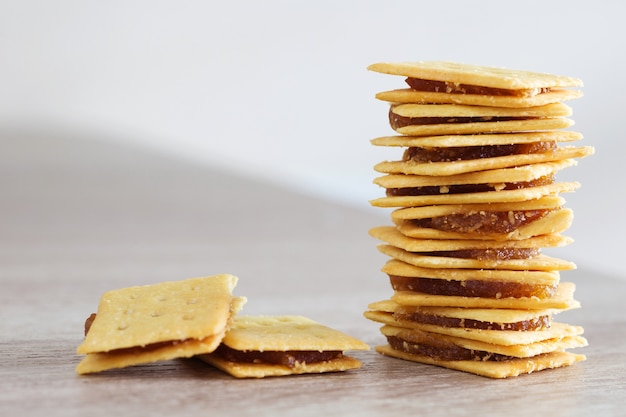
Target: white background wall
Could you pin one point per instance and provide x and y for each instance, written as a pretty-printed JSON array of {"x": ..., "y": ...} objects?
[{"x": 278, "y": 89}]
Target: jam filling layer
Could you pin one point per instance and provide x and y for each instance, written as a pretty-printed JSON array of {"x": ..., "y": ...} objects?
[
  {"x": 467, "y": 188},
  {"x": 490, "y": 254},
  {"x": 455, "y": 88},
  {"x": 289, "y": 359},
  {"x": 536, "y": 323},
  {"x": 471, "y": 288},
  {"x": 397, "y": 121},
  {"x": 481, "y": 222},
  {"x": 464, "y": 153},
  {"x": 447, "y": 352}
]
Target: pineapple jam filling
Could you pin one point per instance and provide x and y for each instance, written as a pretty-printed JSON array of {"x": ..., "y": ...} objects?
[
  {"x": 397, "y": 121},
  {"x": 456, "y": 88},
  {"x": 289, "y": 359},
  {"x": 443, "y": 351},
  {"x": 471, "y": 288},
  {"x": 464, "y": 153},
  {"x": 467, "y": 188},
  {"x": 489, "y": 254},
  {"x": 536, "y": 323},
  {"x": 481, "y": 222}
]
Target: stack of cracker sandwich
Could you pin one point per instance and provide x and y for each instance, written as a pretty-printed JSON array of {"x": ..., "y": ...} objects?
[{"x": 474, "y": 199}]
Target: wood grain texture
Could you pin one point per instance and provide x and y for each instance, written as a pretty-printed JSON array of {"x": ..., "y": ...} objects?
[{"x": 81, "y": 216}]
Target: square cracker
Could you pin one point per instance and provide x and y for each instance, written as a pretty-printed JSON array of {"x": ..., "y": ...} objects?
[
  {"x": 504, "y": 196},
  {"x": 194, "y": 308},
  {"x": 555, "y": 221},
  {"x": 389, "y": 309},
  {"x": 284, "y": 334},
  {"x": 408, "y": 95},
  {"x": 144, "y": 324},
  {"x": 399, "y": 268},
  {"x": 481, "y": 75},
  {"x": 553, "y": 341},
  {"x": 563, "y": 298},
  {"x": 98, "y": 362},
  {"x": 540, "y": 118},
  {"x": 392, "y": 236},
  {"x": 495, "y": 337},
  {"x": 445, "y": 168},
  {"x": 505, "y": 369},
  {"x": 537, "y": 263},
  {"x": 505, "y": 126},
  {"x": 552, "y": 202},
  {"x": 459, "y": 110},
  {"x": 497, "y": 178},
  {"x": 453, "y": 141}
]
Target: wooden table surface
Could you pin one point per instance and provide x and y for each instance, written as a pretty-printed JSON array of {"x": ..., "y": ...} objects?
[{"x": 80, "y": 216}]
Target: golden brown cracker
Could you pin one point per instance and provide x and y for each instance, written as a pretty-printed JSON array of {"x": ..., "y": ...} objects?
[
  {"x": 470, "y": 74},
  {"x": 504, "y": 369},
  {"x": 537, "y": 263},
  {"x": 551, "y": 202},
  {"x": 398, "y": 268},
  {"x": 555, "y": 221},
  {"x": 408, "y": 95},
  {"x": 456, "y": 110},
  {"x": 452, "y": 119},
  {"x": 503, "y": 126},
  {"x": 284, "y": 334},
  {"x": 498, "y": 178},
  {"x": 556, "y": 338},
  {"x": 563, "y": 298},
  {"x": 262, "y": 370},
  {"x": 163, "y": 321},
  {"x": 503, "y": 196},
  {"x": 171, "y": 311},
  {"x": 495, "y": 337},
  {"x": 445, "y": 168},
  {"x": 453, "y": 141},
  {"x": 122, "y": 358},
  {"x": 392, "y": 236},
  {"x": 488, "y": 315}
]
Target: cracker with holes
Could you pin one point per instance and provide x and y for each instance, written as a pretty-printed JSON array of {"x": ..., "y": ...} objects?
[
  {"x": 150, "y": 323},
  {"x": 264, "y": 346}
]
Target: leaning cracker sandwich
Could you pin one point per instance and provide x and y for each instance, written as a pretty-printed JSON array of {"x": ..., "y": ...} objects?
[
  {"x": 264, "y": 346},
  {"x": 150, "y": 323},
  {"x": 475, "y": 200}
]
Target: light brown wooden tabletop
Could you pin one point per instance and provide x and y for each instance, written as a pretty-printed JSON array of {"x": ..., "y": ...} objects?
[{"x": 79, "y": 216}]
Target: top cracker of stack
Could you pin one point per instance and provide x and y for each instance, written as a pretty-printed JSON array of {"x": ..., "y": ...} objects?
[{"x": 476, "y": 199}]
